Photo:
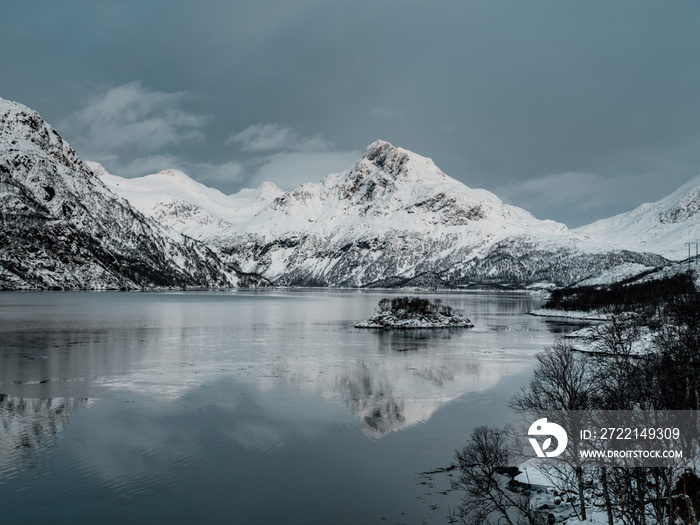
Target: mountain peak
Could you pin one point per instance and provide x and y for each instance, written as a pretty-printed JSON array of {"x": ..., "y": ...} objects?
[
  {"x": 267, "y": 192},
  {"x": 383, "y": 169},
  {"x": 11, "y": 106},
  {"x": 399, "y": 163},
  {"x": 175, "y": 176},
  {"x": 389, "y": 159},
  {"x": 20, "y": 122},
  {"x": 665, "y": 226},
  {"x": 379, "y": 148}
]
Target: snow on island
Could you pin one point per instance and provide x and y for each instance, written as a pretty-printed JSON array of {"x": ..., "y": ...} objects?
[{"x": 414, "y": 312}]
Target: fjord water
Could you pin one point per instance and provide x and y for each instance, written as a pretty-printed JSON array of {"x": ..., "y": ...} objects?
[{"x": 245, "y": 407}]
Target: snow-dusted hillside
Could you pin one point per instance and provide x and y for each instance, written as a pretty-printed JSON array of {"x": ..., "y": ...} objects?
[
  {"x": 661, "y": 227},
  {"x": 561, "y": 260},
  {"x": 177, "y": 201},
  {"x": 392, "y": 219},
  {"x": 61, "y": 227}
]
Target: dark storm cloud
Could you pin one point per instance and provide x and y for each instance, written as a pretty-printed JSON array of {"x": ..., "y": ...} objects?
[{"x": 551, "y": 104}]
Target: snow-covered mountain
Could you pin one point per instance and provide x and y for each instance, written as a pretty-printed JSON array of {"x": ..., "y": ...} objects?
[
  {"x": 394, "y": 214},
  {"x": 61, "y": 227},
  {"x": 663, "y": 227},
  {"x": 392, "y": 219}
]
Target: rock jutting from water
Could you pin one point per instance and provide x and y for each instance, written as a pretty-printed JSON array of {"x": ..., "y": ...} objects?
[{"x": 415, "y": 312}]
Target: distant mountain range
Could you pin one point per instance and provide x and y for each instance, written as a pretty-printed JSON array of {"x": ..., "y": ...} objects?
[{"x": 392, "y": 219}]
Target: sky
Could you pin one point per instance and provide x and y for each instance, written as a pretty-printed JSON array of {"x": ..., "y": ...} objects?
[{"x": 574, "y": 110}]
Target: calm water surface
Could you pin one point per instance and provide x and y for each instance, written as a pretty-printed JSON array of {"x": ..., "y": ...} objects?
[{"x": 245, "y": 407}]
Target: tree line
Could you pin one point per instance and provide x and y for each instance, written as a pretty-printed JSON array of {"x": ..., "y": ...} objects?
[{"x": 622, "y": 296}]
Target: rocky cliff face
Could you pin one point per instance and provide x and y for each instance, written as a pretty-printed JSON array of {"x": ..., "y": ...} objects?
[{"x": 61, "y": 227}]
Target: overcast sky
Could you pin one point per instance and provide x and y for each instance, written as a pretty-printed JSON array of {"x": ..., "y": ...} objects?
[{"x": 573, "y": 109}]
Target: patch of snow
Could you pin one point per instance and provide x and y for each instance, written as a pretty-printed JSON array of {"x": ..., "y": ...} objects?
[{"x": 531, "y": 475}]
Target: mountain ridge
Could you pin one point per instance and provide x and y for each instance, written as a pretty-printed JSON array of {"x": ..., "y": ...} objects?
[{"x": 62, "y": 228}]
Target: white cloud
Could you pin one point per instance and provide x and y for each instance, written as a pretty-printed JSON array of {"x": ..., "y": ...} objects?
[
  {"x": 586, "y": 191},
  {"x": 133, "y": 131},
  {"x": 290, "y": 169},
  {"x": 147, "y": 165},
  {"x": 131, "y": 118},
  {"x": 262, "y": 138},
  {"x": 228, "y": 172},
  {"x": 284, "y": 156},
  {"x": 581, "y": 195},
  {"x": 212, "y": 174},
  {"x": 582, "y": 190}
]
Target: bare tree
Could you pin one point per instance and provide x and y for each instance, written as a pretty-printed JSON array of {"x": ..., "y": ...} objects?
[
  {"x": 481, "y": 466},
  {"x": 561, "y": 381}
]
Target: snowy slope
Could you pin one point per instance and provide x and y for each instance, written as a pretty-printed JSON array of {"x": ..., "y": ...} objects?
[
  {"x": 61, "y": 227},
  {"x": 662, "y": 227},
  {"x": 547, "y": 260},
  {"x": 615, "y": 275},
  {"x": 177, "y": 201}
]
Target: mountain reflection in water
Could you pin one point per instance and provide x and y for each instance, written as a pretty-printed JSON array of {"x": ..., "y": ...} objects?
[{"x": 27, "y": 425}]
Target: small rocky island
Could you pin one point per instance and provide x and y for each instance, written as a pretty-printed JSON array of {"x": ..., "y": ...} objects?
[{"x": 414, "y": 312}]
